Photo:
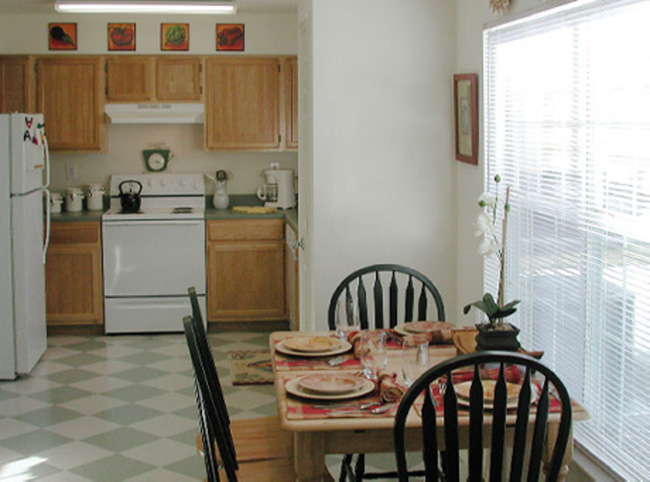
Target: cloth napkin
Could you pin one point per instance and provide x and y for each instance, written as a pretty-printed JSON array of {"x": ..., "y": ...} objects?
[{"x": 389, "y": 390}]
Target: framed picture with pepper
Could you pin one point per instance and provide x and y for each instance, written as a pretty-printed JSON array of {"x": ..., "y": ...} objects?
[
  {"x": 230, "y": 36},
  {"x": 174, "y": 36},
  {"x": 121, "y": 36},
  {"x": 62, "y": 36}
]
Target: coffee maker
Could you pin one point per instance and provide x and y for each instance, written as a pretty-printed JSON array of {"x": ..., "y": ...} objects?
[{"x": 277, "y": 191}]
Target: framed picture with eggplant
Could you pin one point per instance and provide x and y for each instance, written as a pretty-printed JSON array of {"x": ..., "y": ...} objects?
[
  {"x": 466, "y": 117},
  {"x": 174, "y": 36},
  {"x": 62, "y": 36},
  {"x": 121, "y": 36}
]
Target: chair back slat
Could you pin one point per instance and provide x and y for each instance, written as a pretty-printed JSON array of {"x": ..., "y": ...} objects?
[
  {"x": 378, "y": 294},
  {"x": 521, "y": 430},
  {"x": 499, "y": 406},
  {"x": 430, "y": 437},
  {"x": 529, "y": 416},
  {"x": 409, "y": 301},
  {"x": 450, "y": 404},
  {"x": 393, "y": 301},
  {"x": 215, "y": 428},
  {"x": 422, "y": 304},
  {"x": 476, "y": 427},
  {"x": 387, "y": 310},
  {"x": 207, "y": 438},
  {"x": 363, "y": 305},
  {"x": 539, "y": 434},
  {"x": 212, "y": 376}
]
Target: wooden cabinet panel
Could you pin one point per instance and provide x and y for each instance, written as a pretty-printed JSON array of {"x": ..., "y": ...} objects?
[
  {"x": 242, "y": 103},
  {"x": 73, "y": 275},
  {"x": 291, "y": 103},
  {"x": 129, "y": 78},
  {"x": 178, "y": 78},
  {"x": 70, "y": 97},
  {"x": 245, "y": 273},
  {"x": 16, "y": 84},
  {"x": 247, "y": 282}
]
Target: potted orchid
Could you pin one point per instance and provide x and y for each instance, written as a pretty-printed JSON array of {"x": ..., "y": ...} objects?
[{"x": 494, "y": 334}]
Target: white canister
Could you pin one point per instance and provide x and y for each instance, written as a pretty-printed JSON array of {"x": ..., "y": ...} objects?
[
  {"x": 74, "y": 199},
  {"x": 95, "y": 197},
  {"x": 56, "y": 200}
]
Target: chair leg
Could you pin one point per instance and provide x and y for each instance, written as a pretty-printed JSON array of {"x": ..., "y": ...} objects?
[
  {"x": 346, "y": 469},
  {"x": 360, "y": 467}
]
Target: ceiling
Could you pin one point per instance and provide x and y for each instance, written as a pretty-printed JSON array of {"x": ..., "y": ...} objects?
[{"x": 243, "y": 6}]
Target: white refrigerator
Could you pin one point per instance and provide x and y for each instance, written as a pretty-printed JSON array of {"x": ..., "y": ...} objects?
[{"x": 24, "y": 178}]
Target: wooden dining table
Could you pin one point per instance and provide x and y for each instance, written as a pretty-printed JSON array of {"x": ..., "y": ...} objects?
[{"x": 320, "y": 431}]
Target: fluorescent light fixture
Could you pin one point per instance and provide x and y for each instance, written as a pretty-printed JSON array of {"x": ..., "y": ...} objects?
[{"x": 193, "y": 7}]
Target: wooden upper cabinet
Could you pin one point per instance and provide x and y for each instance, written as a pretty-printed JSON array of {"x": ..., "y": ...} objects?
[
  {"x": 70, "y": 95},
  {"x": 129, "y": 79},
  {"x": 290, "y": 69},
  {"x": 152, "y": 79},
  {"x": 178, "y": 78},
  {"x": 16, "y": 84},
  {"x": 242, "y": 103}
]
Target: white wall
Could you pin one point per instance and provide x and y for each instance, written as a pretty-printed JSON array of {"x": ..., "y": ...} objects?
[
  {"x": 384, "y": 187},
  {"x": 266, "y": 34}
]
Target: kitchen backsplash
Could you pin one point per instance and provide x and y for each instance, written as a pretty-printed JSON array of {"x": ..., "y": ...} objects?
[{"x": 124, "y": 156}]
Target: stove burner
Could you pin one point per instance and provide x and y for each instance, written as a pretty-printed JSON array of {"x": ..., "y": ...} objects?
[{"x": 182, "y": 210}]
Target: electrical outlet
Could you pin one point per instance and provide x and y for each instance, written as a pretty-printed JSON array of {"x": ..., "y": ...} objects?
[
  {"x": 275, "y": 165},
  {"x": 71, "y": 172}
]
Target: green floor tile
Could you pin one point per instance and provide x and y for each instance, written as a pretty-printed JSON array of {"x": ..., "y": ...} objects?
[
  {"x": 68, "y": 377},
  {"x": 88, "y": 345},
  {"x": 121, "y": 439},
  {"x": 34, "y": 442},
  {"x": 140, "y": 374},
  {"x": 60, "y": 395},
  {"x": 128, "y": 414},
  {"x": 133, "y": 393},
  {"x": 48, "y": 416},
  {"x": 111, "y": 469},
  {"x": 144, "y": 358},
  {"x": 79, "y": 359},
  {"x": 191, "y": 467}
]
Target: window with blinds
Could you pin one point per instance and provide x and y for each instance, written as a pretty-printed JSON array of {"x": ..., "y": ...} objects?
[{"x": 567, "y": 126}]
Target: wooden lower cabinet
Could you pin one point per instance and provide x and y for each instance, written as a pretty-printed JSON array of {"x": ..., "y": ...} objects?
[
  {"x": 245, "y": 270},
  {"x": 73, "y": 275}
]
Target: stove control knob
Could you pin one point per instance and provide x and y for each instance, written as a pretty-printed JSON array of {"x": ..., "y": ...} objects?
[
  {"x": 195, "y": 186},
  {"x": 163, "y": 182},
  {"x": 181, "y": 182},
  {"x": 150, "y": 183}
]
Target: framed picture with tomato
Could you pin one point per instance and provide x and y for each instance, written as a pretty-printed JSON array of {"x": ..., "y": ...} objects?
[
  {"x": 174, "y": 36},
  {"x": 230, "y": 36},
  {"x": 62, "y": 36},
  {"x": 121, "y": 36}
]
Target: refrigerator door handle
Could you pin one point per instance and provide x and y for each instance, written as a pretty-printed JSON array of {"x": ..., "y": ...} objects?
[
  {"x": 46, "y": 244},
  {"x": 46, "y": 158}
]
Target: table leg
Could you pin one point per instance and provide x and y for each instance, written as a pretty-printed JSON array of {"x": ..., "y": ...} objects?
[
  {"x": 548, "y": 453},
  {"x": 309, "y": 457}
]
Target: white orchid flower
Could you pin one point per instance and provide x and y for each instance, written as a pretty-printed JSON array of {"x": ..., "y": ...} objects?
[
  {"x": 487, "y": 199},
  {"x": 484, "y": 226},
  {"x": 489, "y": 246}
]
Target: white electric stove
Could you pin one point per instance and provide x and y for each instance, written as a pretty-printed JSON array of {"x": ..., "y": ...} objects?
[{"x": 152, "y": 256}]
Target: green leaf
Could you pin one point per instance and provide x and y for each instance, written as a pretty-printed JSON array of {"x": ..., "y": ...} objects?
[
  {"x": 479, "y": 305},
  {"x": 491, "y": 306}
]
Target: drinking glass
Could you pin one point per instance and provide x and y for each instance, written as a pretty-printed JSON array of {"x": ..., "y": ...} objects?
[
  {"x": 372, "y": 353},
  {"x": 346, "y": 317},
  {"x": 415, "y": 357}
]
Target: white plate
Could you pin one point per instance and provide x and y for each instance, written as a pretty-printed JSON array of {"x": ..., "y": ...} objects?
[
  {"x": 403, "y": 330},
  {"x": 462, "y": 390},
  {"x": 345, "y": 346},
  {"x": 330, "y": 383},
  {"x": 313, "y": 344},
  {"x": 293, "y": 387}
]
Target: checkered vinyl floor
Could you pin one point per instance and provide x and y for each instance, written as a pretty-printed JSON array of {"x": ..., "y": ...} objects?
[{"x": 118, "y": 408}]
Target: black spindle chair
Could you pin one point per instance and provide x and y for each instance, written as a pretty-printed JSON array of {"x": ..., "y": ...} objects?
[
  {"x": 525, "y": 443},
  {"x": 257, "y": 446},
  {"x": 383, "y": 292}
]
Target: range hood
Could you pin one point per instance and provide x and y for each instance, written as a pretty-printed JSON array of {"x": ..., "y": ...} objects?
[{"x": 155, "y": 113}]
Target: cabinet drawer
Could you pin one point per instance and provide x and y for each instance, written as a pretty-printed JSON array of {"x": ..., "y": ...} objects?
[
  {"x": 249, "y": 230},
  {"x": 75, "y": 233}
]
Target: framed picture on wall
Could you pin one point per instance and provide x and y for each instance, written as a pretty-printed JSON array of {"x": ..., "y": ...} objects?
[
  {"x": 466, "y": 117},
  {"x": 174, "y": 36},
  {"x": 230, "y": 36},
  {"x": 62, "y": 36},
  {"x": 121, "y": 36}
]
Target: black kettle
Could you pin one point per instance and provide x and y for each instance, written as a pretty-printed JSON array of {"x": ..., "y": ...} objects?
[{"x": 130, "y": 201}]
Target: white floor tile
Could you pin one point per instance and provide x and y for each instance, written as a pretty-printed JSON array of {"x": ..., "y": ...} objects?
[
  {"x": 10, "y": 427},
  {"x": 169, "y": 402},
  {"x": 73, "y": 455},
  {"x": 83, "y": 427},
  {"x": 93, "y": 404},
  {"x": 166, "y": 425},
  {"x": 161, "y": 452}
]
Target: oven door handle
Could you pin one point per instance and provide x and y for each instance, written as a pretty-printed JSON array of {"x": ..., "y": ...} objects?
[{"x": 170, "y": 222}]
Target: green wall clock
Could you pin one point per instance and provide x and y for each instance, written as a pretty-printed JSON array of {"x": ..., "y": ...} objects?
[{"x": 156, "y": 160}]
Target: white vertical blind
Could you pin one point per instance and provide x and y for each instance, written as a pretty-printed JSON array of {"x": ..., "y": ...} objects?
[{"x": 567, "y": 126}]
